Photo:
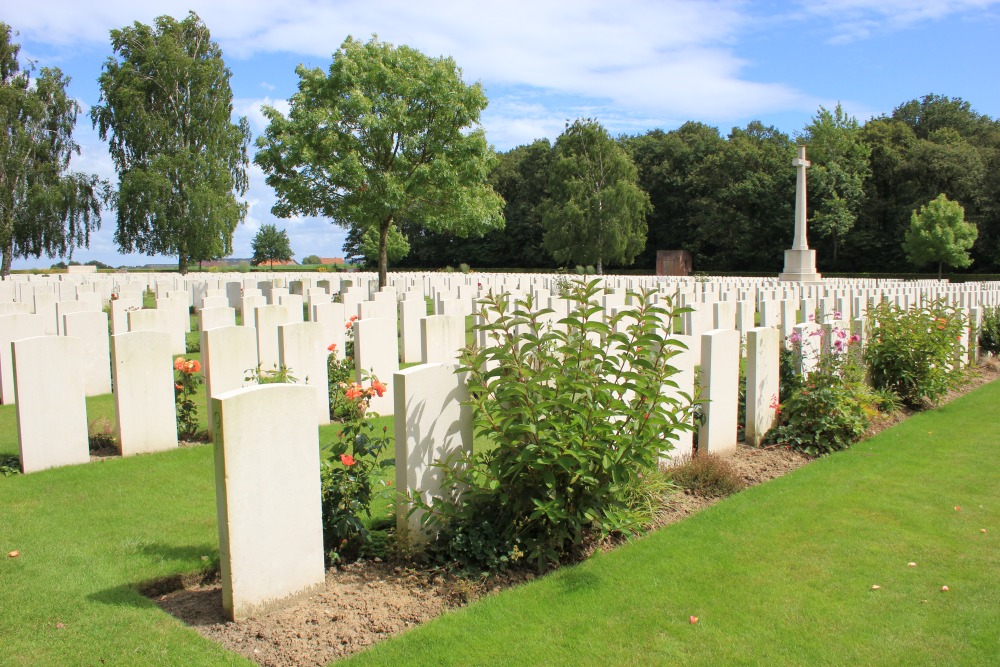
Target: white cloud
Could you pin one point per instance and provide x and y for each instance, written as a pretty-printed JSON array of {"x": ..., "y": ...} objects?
[{"x": 853, "y": 20}]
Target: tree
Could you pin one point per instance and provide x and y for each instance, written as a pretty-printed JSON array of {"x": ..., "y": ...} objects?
[
  {"x": 166, "y": 108},
  {"x": 742, "y": 215},
  {"x": 596, "y": 211},
  {"x": 840, "y": 165},
  {"x": 312, "y": 259},
  {"x": 270, "y": 245},
  {"x": 43, "y": 206},
  {"x": 939, "y": 233},
  {"x": 386, "y": 136},
  {"x": 666, "y": 162}
]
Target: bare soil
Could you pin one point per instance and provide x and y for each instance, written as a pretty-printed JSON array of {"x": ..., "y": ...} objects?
[{"x": 367, "y": 601}]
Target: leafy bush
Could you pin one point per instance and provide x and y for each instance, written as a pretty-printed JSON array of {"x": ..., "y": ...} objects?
[
  {"x": 577, "y": 417},
  {"x": 706, "y": 475},
  {"x": 276, "y": 375},
  {"x": 350, "y": 468},
  {"x": 830, "y": 409},
  {"x": 823, "y": 415},
  {"x": 464, "y": 268},
  {"x": 914, "y": 352},
  {"x": 989, "y": 334}
]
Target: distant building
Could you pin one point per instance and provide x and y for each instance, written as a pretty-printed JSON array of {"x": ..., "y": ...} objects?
[{"x": 331, "y": 261}]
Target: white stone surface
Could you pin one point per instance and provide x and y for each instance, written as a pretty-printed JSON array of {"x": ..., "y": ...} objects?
[
  {"x": 162, "y": 321},
  {"x": 763, "y": 345},
  {"x": 269, "y": 516},
  {"x": 431, "y": 425},
  {"x": 303, "y": 352},
  {"x": 685, "y": 362},
  {"x": 51, "y": 407},
  {"x": 376, "y": 354},
  {"x": 15, "y": 327},
  {"x": 228, "y": 356},
  {"x": 215, "y": 317},
  {"x": 411, "y": 311},
  {"x": 442, "y": 337},
  {"x": 92, "y": 330},
  {"x": 144, "y": 392},
  {"x": 720, "y": 375}
]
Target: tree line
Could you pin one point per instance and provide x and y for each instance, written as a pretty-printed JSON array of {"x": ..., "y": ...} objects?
[{"x": 729, "y": 199}]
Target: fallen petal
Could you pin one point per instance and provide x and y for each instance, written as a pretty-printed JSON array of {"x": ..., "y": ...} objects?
[
  {"x": 60, "y": 626},
  {"x": 693, "y": 619},
  {"x": 15, "y": 554},
  {"x": 875, "y": 587},
  {"x": 982, "y": 530},
  {"x": 944, "y": 589},
  {"x": 957, "y": 508},
  {"x": 912, "y": 564}
]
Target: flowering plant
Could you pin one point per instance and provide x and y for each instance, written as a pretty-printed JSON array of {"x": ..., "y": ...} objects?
[
  {"x": 350, "y": 470},
  {"x": 185, "y": 385}
]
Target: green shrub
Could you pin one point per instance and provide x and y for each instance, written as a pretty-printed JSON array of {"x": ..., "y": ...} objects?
[
  {"x": 831, "y": 408},
  {"x": 914, "y": 352},
  {"x": 706, "y": 475},
  {"x": 464, "y": 268},
  {"x": 350, "y": 468},
  {"x": 989, "y": 334},
  {"x": 576, "y": 417}
]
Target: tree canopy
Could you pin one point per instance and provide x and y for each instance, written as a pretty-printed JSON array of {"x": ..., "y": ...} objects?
[
  {"x": 387, "y": 138},
  {"x": 840, "y": 166},
  {"x": 596, "y": 211},
  {"x": 271, "y": 245},
  {"x": 43, "y": 206},
  {"x": 166, "y": 111},
  {"x": 939, "y": 233}
]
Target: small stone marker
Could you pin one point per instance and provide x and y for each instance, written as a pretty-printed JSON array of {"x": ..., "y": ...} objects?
[
  {"x": 51, "y": 407},
  {"x": 270, "y": 516}
]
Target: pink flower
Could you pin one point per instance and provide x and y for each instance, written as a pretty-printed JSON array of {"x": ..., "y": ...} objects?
[
  {"x": 332, "y": 347},
  {"x": 854, "y": 339},
  {"x": 796, "y": 337},
  {"x": 347, "y": 460}
]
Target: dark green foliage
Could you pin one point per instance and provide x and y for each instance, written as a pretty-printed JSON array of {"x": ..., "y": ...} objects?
[
  {"x": 10, "y": 466},
  {"x": 166, "y": 108},
  {"x": 914, "y": 352},
  {"x": 706, "y": 475},
  {"x": 386, "y": 137},
  {"x": 577, "y": 416},
  {"x": 989, "y": 333},
  {"x": 270, "y": 245}
]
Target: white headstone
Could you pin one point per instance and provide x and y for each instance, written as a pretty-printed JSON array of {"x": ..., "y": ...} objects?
[
  {"x": 92, "y": 330},
  {"x": 51, "y": 407},
  {"x": 720, "y": 375},
  {"x": 763, "y": 345},
  {"x": 431, "y": 424},
  {"x": 144, "y": 392},
  {"x": 302, "y": 350},
  {"x": 269, "y": 516}
]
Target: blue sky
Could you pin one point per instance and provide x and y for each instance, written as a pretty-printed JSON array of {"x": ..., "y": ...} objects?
[{"x": 634, "y": 65}]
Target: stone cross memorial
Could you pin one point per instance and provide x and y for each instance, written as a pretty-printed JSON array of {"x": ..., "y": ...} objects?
[{"x": 800, "y": 261}]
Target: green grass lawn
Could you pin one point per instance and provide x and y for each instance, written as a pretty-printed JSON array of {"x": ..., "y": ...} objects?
[{"x": 778, "y": 574}]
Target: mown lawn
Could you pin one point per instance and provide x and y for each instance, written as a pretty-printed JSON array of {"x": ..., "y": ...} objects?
[{"x": 779, "y": 574}]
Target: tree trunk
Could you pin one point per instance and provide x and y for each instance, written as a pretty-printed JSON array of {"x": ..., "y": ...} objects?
[
  {"x": 383, "y": 252},
  {"x": 940, "y": 264},
  {"x": 8, "y": 255},
  {"x": 182, "y": 263},
  {"x": 600, "y": 267}
]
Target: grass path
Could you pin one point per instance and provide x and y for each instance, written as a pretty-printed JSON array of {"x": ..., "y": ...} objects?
[{"x": 778, "y": 574}]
